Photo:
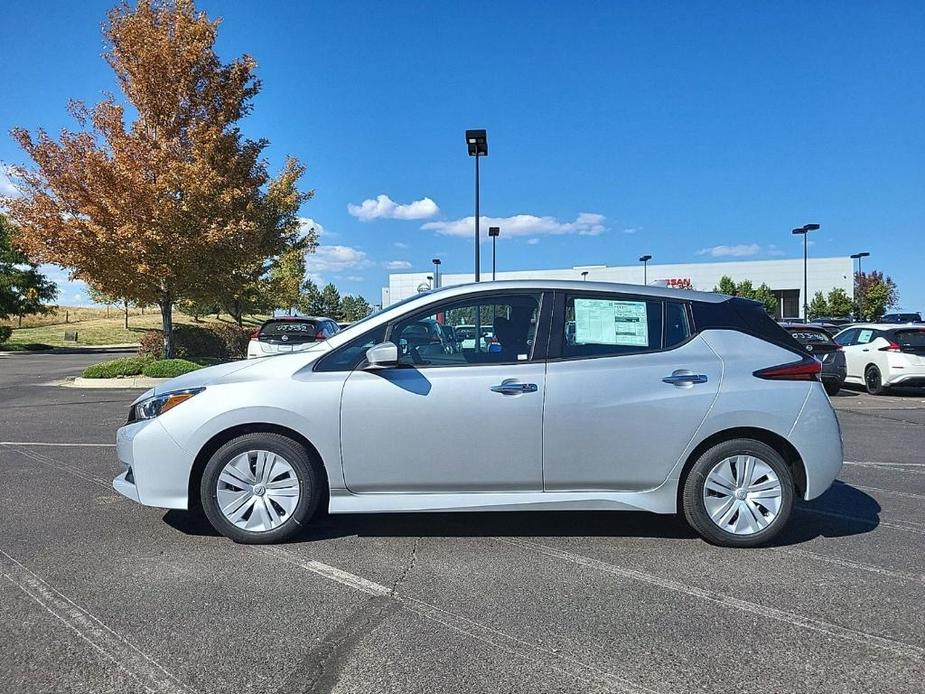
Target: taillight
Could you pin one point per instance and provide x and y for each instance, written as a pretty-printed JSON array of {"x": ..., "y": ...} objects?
[
  {"x": 806, "y": 369},
  {"x": 892, "y": 347}
]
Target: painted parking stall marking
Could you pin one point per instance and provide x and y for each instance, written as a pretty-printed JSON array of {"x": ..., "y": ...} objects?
[{"x": 125, "y": 655}]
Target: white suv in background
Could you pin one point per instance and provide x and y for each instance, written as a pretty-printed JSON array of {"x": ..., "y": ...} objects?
[{"x": 881, "y": 355}]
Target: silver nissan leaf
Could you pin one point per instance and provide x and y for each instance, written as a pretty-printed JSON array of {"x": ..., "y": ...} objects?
[{"x": 588, "y": 396}]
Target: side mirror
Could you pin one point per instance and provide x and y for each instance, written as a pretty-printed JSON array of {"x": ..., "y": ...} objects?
[{"x": 382, "y": 356}]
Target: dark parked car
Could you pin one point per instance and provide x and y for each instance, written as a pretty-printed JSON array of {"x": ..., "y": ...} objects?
[
  {"x": 902, "y": 318},
  {"x": 818, "y": 342}
]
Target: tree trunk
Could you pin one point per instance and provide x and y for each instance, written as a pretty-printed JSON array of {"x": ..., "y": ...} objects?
[
  {"x": 125, "y": 307},
  {"x": 166, "y": 304},
  {"x": 20, "y": 320}
]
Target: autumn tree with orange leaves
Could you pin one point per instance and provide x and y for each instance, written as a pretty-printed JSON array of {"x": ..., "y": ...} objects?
[{"x": 176, "y": 205}]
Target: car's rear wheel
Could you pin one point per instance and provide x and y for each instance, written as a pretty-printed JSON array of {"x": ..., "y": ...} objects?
[
  {"x": 832, "y": 387},
  {"x": 738, "y": 493},
  {"x": 873, "y": 380},
  {"x": 260, "y": 488}
]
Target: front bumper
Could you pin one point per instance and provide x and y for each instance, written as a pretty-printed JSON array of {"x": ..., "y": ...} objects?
[{"x": 155, "y": 467}]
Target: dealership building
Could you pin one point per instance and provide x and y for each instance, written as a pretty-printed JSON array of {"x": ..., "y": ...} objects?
[{"x": 784, "y": 277}]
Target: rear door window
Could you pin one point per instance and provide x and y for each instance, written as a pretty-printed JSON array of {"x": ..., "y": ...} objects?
[
  {"x": 677, "y": 324},
  {"x": 598, "y": 326},
  {"x": 847, "y": 338}
]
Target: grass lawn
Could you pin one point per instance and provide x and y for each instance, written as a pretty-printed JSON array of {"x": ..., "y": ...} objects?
[{"x": 94, "y": 328}]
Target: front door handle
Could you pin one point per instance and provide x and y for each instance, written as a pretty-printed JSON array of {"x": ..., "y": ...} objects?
[
  {"x": 510, "y": 388},
  {"x": 685, "y": 378}
]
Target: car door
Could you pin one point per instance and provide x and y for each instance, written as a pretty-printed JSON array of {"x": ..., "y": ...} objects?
[
  {"x": 855, "y": 344},
  {"x": 447, "y": 420},
  {"x": 627, "y": 386}
]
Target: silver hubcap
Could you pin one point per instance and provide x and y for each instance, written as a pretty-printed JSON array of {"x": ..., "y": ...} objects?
[
  {"x": 258, "y": 491},
  {"x": 742, "y": 494}
]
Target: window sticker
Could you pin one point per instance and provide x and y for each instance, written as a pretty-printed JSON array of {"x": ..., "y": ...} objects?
[
  {"x": 864, "y": 337},
  {"x": 605, "y": 322}
]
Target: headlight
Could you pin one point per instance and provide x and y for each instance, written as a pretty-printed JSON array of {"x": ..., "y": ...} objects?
[{"x": 159, "y": 404}]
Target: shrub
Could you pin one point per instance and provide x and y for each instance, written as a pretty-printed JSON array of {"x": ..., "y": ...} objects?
[
  {"x": 168, "y": 368},
  {"x": 234, "y": 339},
  {"x": 5, "y": 333},
  {"x": 114, "y": 368},
  {"x": 151, "y": 344},
  {"x": 188, "y": 341}
]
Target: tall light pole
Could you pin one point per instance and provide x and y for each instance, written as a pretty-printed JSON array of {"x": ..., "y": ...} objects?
[
  {"x": 645, "y": 267},
  {"x": 584, "y": 275},
  {"x": 857, "y": 277},
  {"x": 494, "y": 233},
  {"x": 477, "y": 144},
  {"x": 436, "y": 262},
  {"x": 804, "y": 231}
]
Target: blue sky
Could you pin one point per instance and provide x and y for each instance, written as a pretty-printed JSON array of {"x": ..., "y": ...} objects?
[{"x": 687, "y": 130}]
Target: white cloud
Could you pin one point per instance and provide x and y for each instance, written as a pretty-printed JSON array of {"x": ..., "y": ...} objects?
[
  {"x": 775, "y": 251},
  {"x": 740, "y": 250},
  {"x": 632, "y": 230},
  {"x": 336, "y": 259},
  {"x": 399, "y": 244},
  {"x": 398, "y": 265},
  {"x": 7, "y": 189},
  {"x": 383, "y": 207},
  {"x": 306, "y": 223},
  {"x": 354, "y": 278},
  {"x": 533, "y": 241},
  {"x": 585, "y": 224}
]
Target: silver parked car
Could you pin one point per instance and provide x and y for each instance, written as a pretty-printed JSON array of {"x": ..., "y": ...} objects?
[{"x": 591, "y": 396}]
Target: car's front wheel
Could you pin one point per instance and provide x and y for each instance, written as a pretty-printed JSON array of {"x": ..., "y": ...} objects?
[
  {"x": 739, "y": 493},
  {"x": 260, "y": 488}
]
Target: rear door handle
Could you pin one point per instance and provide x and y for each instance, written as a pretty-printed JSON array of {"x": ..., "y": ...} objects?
[
  {"x": 685, "y": 378},
  {"x": 514, "y": 388}
]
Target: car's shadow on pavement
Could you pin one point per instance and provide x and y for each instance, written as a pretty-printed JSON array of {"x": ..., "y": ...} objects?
[{"x": 842, "y": 511}]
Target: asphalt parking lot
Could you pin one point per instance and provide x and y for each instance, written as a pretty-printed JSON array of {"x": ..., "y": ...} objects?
[{"x": 102, "y": 595}]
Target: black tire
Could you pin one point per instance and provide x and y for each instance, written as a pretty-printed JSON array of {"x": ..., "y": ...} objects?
[
  {"x": 832, "y": 387},
  {"x": 307, "y": 471},
  {"x": 692, "y": 496},
  {"x": 873, "y": 381}
]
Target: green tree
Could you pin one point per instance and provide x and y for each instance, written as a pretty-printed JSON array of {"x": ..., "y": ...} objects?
[
  {"x": 877, "y": 299},
  {"x": 106, "y": 300},
  {"x": 839, "y": 303},
  {"x": 874, "y": 294},
  {"x": 726, "y": 286},
  {"x": 198, "y": 309},
  {"x": 354, "y": 308},
  {"x": 765, "y": 295},
  {"x": 285, "y": 279},
  {"x": 310, "y": 301},
  {"x": 818, "y": 306},
  {"x": 330, "y": 302},
  {"x": 23, "y": 289}
]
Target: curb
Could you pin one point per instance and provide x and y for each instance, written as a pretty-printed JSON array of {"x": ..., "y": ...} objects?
[{"x": 139, "y": 382}]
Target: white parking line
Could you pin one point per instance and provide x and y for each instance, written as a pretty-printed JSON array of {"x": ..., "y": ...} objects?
[
  {"x": 559, "y": 662},
  {"x": 791, "y": 618},
  {"x": 127, "y": 656},
  {"x": 906, "y": 526},
  {"x": 918, "y": 578},
  {"x": 906, "y": 495}
]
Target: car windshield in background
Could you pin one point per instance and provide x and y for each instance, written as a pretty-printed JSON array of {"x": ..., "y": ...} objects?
[
  {"x": 911, "y": 340},
  {"x": 811, "y": 337},
  {"x": 288, "y": 331}
]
